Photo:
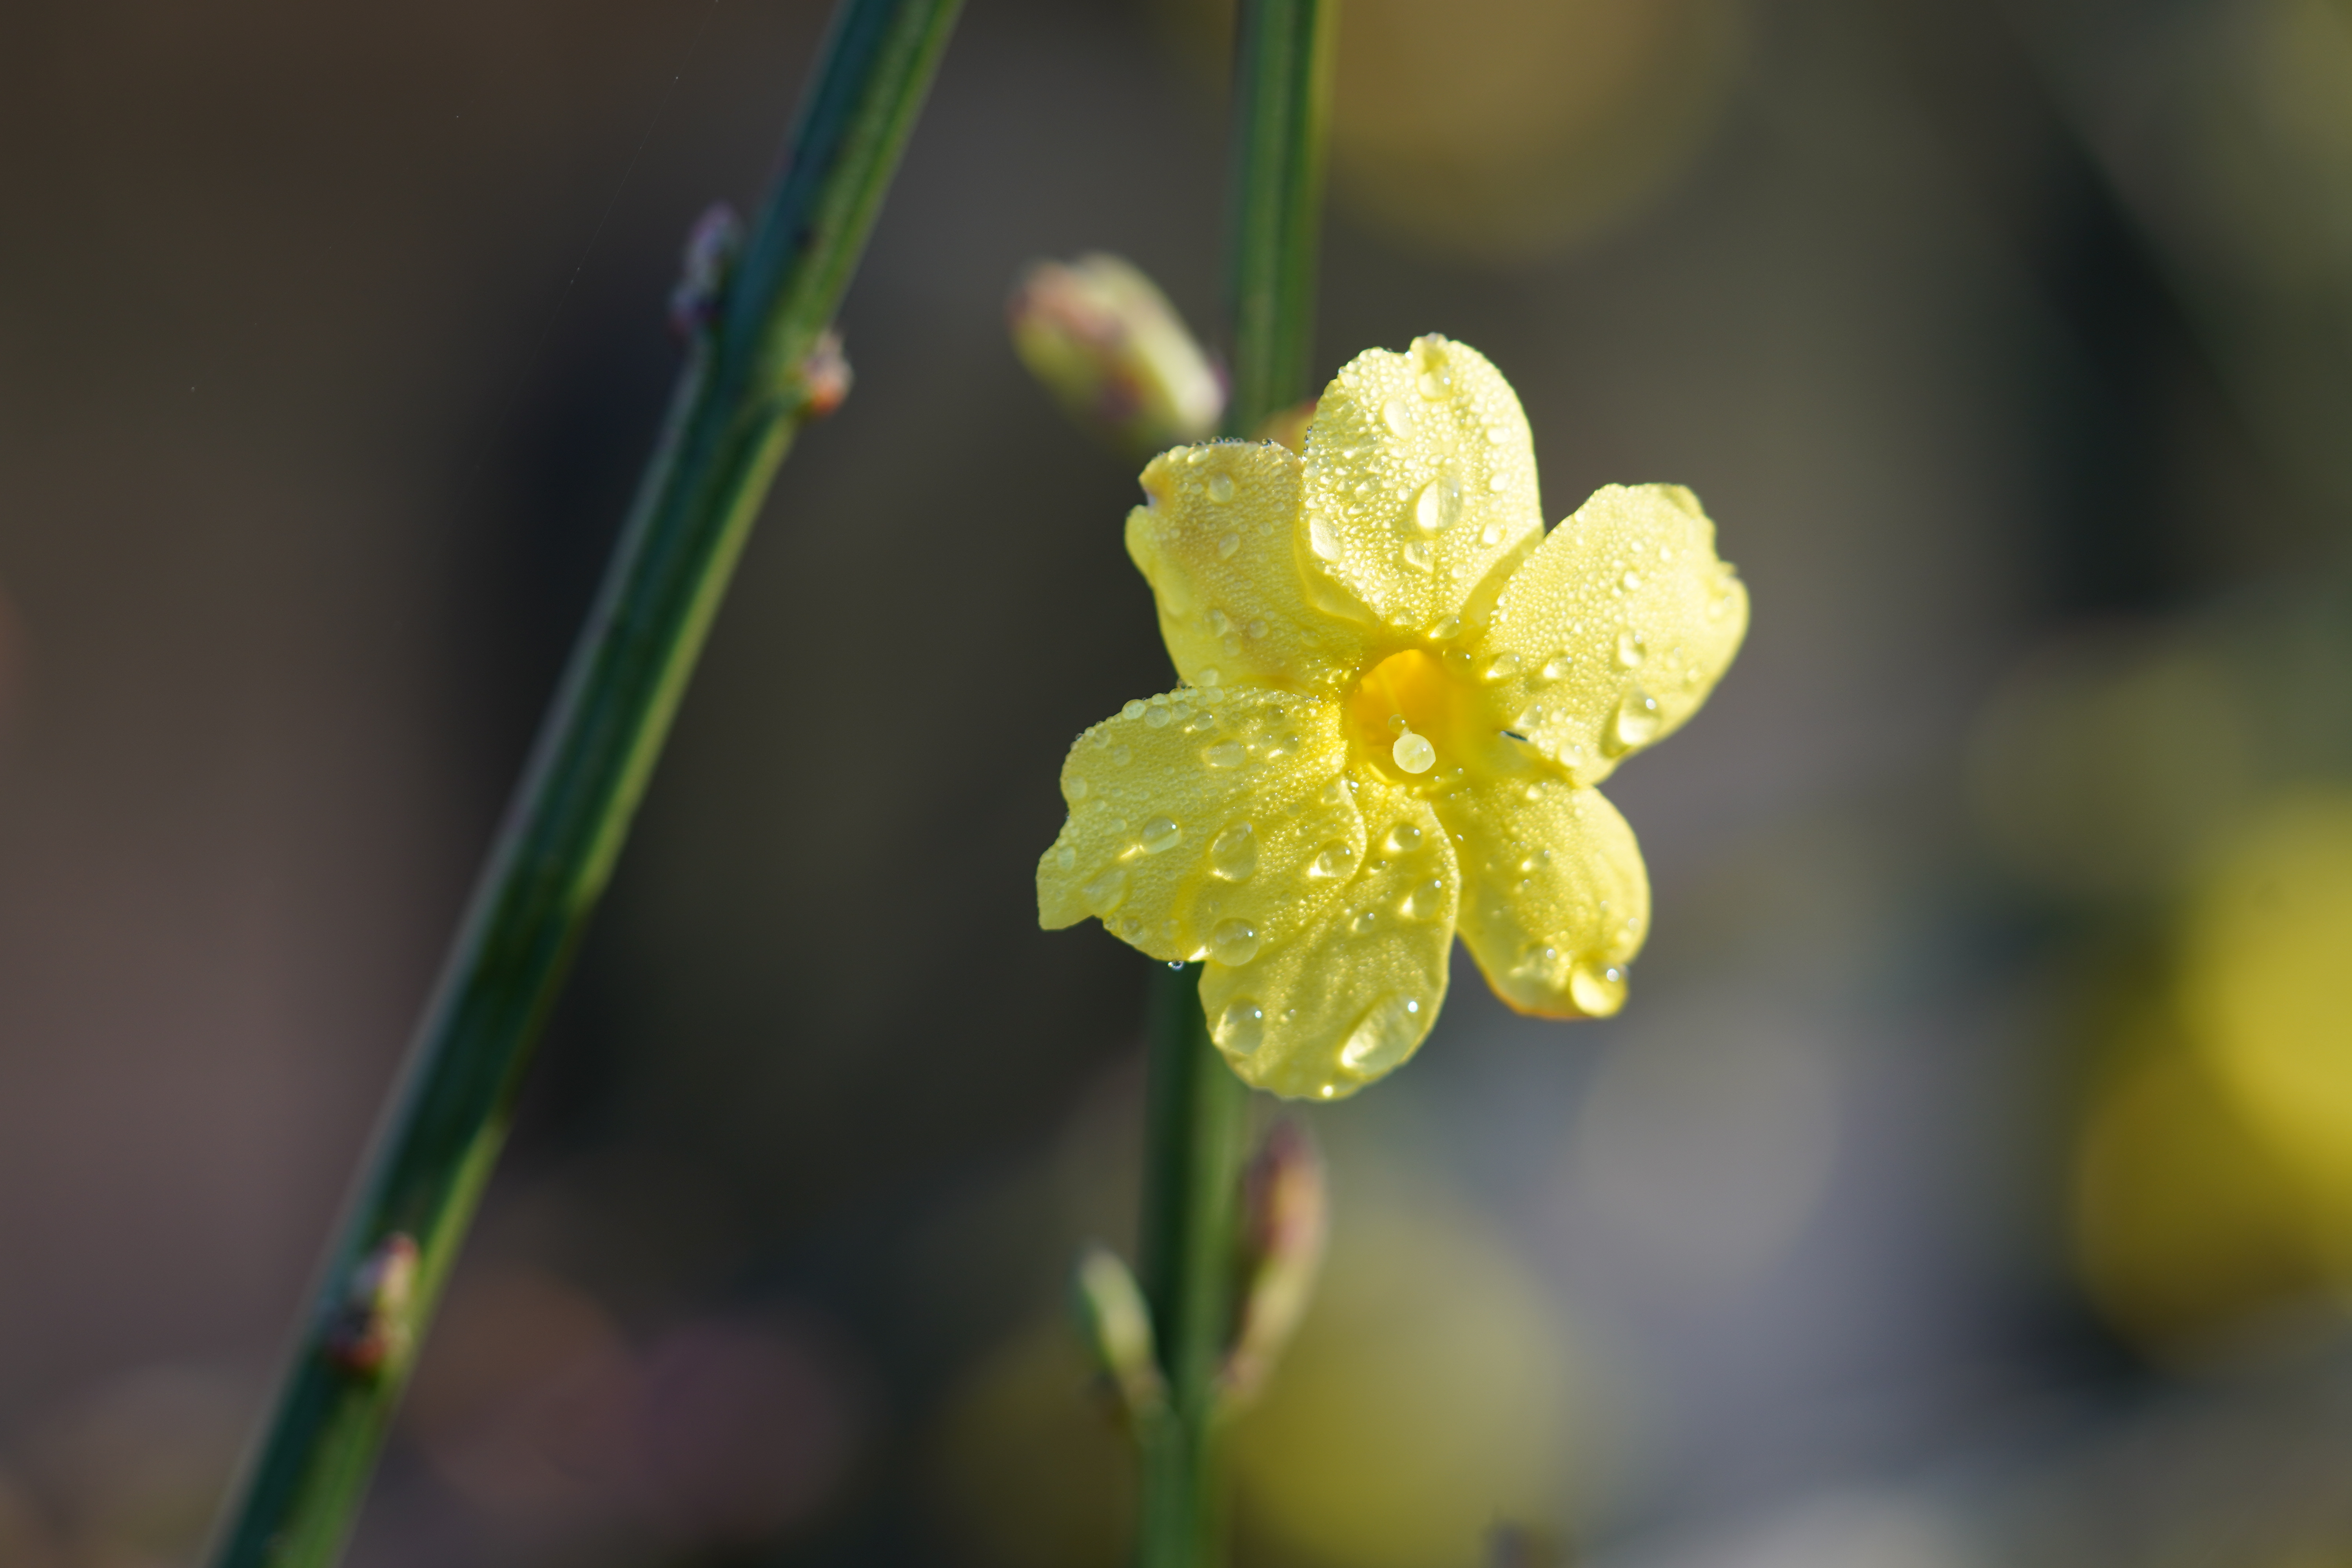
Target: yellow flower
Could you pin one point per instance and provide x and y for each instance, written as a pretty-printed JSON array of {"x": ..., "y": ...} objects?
[{"x": 1398, "y": 692}]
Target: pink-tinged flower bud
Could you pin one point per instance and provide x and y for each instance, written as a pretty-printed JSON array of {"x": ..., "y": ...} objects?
[
  {"x": 825, "y": 377},
  {"x": 710, "y": 249},
  {"x": 375, "y": 1328},
  {"x": 1286, "y": 1215},
  {"x": 1117, "y": 1322},
  {"x": 1113, "y": 352}
]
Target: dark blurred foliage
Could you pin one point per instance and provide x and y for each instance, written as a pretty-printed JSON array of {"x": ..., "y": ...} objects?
[{"x": 1959, "y": 1184}]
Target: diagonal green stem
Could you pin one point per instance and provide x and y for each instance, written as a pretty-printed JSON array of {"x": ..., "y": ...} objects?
[
  {"x": 742, "y": 398},
  {"x": 1195, "y": 1107}
]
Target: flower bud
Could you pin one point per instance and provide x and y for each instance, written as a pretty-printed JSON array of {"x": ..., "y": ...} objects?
[
  {"x": 711, "y": 245},
  {"x": 1110, "y": 348},
  {"x": 1117, "y": 1322},
  {"x": 1286, "y": 1214},
  {"x": 374, "y": 1328}
]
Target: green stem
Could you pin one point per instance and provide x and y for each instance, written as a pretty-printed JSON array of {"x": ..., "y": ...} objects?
[
  {"x": 1282, "y": 95},
  {"x": 1194, "y": 1113},
  {"x": 742, "y": 398},
  {"x": 1196, "y": 1108}
]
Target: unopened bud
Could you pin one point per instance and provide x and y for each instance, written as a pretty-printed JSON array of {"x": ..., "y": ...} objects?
[
  {"x": 1286, "y": 1215},
  {"x": 710, "y": 249},
  {"x": 824, "y": 377},
  {"x": 372, "y": 1330},
  {"x": 1288, "y": 428},
  {"x": 1117, "y": 1322},
  {"x": 1115, "y": 354}
]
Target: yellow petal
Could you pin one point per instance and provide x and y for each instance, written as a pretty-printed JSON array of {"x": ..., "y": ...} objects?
[
  {"x": 1615, "y": 630},
  {"x": 1554, "y": 900},
  {"x": 1204, "y": 823},
  {"x": 1420, "y": 488},
  {"x": 1352, "y": 996},
  {"x": 1216, "y": 545}
]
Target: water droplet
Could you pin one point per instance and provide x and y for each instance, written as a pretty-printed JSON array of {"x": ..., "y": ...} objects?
[
  {"x": 1256, "y": 628},
  {"x": 1384, "y": 1037},
  {"x": 1133, "y": 709},
  {"x": 1491, "y": 535},
  {"x": 1556, "y": 666},
  {"x": 1498, "y": 481},
  {"x": 1414, "y": 752},
  {"x": 1424, "y": 900},
  {"x": 1364, "y": 922},
  {"x": 1397, "y": 416},
  {"x": 1403, "y": 837},
  {"x": 1337, "y": 861},
  {"x": 1156, "y": 718},
  {"x": 1502, "y": 667},
  {"x": 1444, "y": 629},
  {"x": 1598, "y": 990},
  {"x": 1120, "y": 756},
  {"x": 1228, "y": 546},
  {"x": 1635, "y": 723},
  {"x": 1240, "y": 1026},
  {"x": 1159, "y": 832},
  {"x": 1497, "y": 435},
  {"x": 1328, "y": 1090},
  {"x": 1694, "y": 676},
  {"x": 1439, "y": 507},
  {"x": 1226, "y": 755},
  {"x": 1076, "y": 789},
  {"x": 1220, "y": 488},
  {"x": 1234, "y": 943},
  {"x": 1417, "y": 555},
  {"x": 1219, "y": 621},
  {"x": 1233, "y": 854},
  {"x": 1436, "y": 378},
  {"x": 1631, "y": 650},
  {"x": 1067, "y": 858},
  {"x": 1197, "y": 455},
  {"x": 1209, "y": 677},
  {"x": 1631, "y": 580},
  {"x": 1106, "y": 892},
  {"x": 1323, "y": 538}
]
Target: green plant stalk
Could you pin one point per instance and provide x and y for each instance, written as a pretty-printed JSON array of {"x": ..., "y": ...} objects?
[
  {"x": 742, "y": 397},
  {"x": 1196, "y": 1108}
]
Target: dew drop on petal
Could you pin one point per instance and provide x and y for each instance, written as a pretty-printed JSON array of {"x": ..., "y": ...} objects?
[
  {"x": 1220, "y": 488},
  {"x": 1120, "y": 756},
  {"x": 1234, "y": 943},
  {"x": 1502, "y": 667},
  {"x": 1631, "y": 649},
  {"x": 1226, "y": 755},
  {"x": 1630, "y": 580},
  {"x": 1324, "y": 539},
  {"x": 1133, "y": 709},
  {"x": 1240, "y": 1026},
  {"x": 1635, "y": 723},
  {"x": 1414, "y": 752},
  {"x": 1491, "y": 535},
  {"x": 1397, "y": 416},
  {"x": 1382, "y": 1037},
  {"x": 1226, "y": 546},
  {"x": 1156, "y": 718},
  {"x": 1209, "y": 677},
  {"x": 1598, "y": 990},
  {"x": 1558, "y": 664},
  {"x": 1439, "y": 507},
  {"x": 1364, "y": 922},
  {"x": 1403, "y": 838},
  {"x": 1162, "y": 833},
  {"x": 1233, "y": 854},
  {"x": 1337, "y": 861},
  {"x": 1106, "y": 892},
  {"x": 1423, "y": 900},
  {"x": 1498, "y": 482},
  {"x": 1067, "y": 858},
  {"x": 1444, "y": 629},
  {"x": 1076, "y": 789}
]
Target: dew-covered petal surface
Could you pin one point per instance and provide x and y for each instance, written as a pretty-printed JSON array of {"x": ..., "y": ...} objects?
[
  {"x": 1555, "y": 900},
  {"x": 1616, "y": 629},
  {"x": 1349, "y": 996},
  {"x": 1204, "y": 823},
  {"x": 1215, "y": 544},
  {"x": 1420, "y": 489}
]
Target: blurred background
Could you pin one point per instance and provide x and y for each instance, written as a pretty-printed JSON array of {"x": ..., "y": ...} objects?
[{"x": 1969, "y": 1181}]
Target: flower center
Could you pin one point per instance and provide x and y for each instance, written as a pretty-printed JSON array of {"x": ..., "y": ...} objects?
[{"x": 1416, "y": 725}]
